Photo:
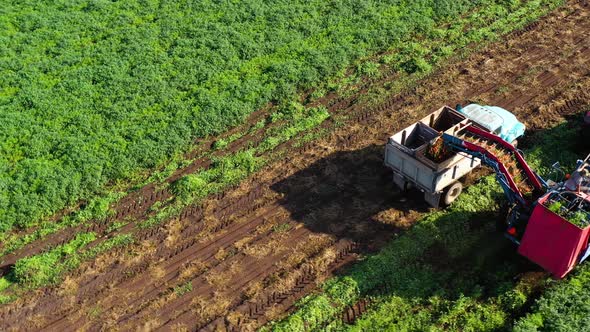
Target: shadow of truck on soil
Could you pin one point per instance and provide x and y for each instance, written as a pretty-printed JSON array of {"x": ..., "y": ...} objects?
[{"x": 344, "y": 194}]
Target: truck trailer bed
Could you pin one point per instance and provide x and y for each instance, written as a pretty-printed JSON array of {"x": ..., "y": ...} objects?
[{"x": 406, "y": 155}]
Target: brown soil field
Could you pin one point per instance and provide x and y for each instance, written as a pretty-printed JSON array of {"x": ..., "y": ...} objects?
[{"x": 246, "y": 256}]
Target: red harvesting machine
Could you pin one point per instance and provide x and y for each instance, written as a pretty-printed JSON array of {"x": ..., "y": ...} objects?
[{"x": 549, "y": 221}]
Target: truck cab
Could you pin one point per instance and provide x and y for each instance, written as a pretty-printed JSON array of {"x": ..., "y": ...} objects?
[{"x": 495, "y": 119}]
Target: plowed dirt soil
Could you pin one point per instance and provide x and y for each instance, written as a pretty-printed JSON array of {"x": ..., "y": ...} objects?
[{"x": 246, "y": 256}]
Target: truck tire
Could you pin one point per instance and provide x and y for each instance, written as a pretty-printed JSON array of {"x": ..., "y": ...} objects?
[
  {"x": 401, "y": 183},
  {"x": 452, "y": 192}
]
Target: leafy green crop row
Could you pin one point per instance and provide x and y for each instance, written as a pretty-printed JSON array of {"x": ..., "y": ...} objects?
[
  {"x": 564, "y": 307},
  {"x": 44, "y": 268},
  {"x": 93, "y": 91},
  {"x": 96, "y": 209},
  {"x": 49, "y": 267}
]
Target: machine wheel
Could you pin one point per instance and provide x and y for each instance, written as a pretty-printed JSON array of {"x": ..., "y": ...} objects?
[
  {"x": 401, "y": 183},
  {"x": 452, "y": 192}
]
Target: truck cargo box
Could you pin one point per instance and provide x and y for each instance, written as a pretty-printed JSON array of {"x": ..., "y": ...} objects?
[
  {"x": 413, "y": 137},
  {"x": 443, "y": 119},
  {"x": 405, "y": 154}
]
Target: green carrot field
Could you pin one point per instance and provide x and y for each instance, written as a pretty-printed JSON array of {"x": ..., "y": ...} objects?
[{"x": 91, "y": 92}]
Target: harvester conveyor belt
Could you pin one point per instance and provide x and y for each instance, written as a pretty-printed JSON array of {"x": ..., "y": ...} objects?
[{"x": 519, "y": 182}]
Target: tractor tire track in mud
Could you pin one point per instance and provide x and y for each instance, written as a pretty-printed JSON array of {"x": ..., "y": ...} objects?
[{"x": 331, "y": 189}]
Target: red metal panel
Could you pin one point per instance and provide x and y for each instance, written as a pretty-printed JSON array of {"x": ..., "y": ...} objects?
[{"x": 553, "y": 242}]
